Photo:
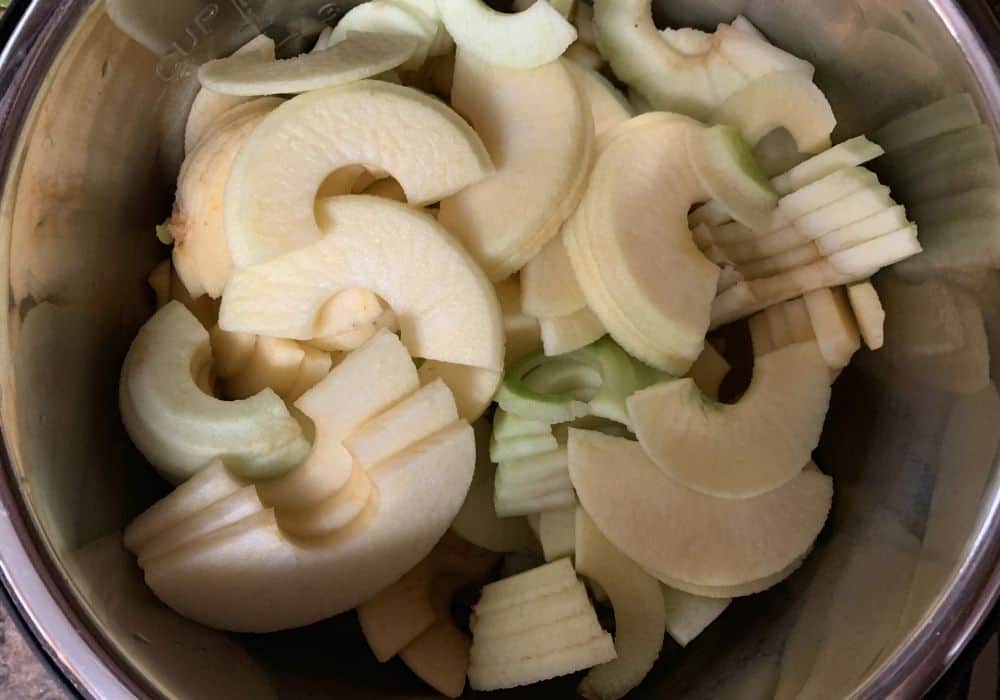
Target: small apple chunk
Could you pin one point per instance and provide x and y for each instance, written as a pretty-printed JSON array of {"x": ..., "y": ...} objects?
[{"x": 179, "y": 427}]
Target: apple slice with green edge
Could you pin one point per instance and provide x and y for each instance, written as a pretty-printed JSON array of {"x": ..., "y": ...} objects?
[
  {"x": 852, "y": 208},
  {"x": 523, "y": 40},
  {"x": 804, "y": 110},
  {"x": 670, "y": 77},
  {"x": 508, "y": 425},
  {"x": 869, "y": 313},
  {"x": 472, "y": 387},
  {"x": 208, "y": 106},
  {"x": 387, "y": 18},
  {"x": 201, "y": 254},
  {"x": 688, "y": 615},
  {"x": 357, "y": 57},
  {"x": 565, "y": 334},
  {"x": 477, "y": 521},
  {"x": 367, "y": 382},
  {"x": 702, "y": 539},
  {"x": 521, "y": 447},
  {"x": 850, "y": 153},
  {"x": 250, "y": 577},
  {"x": 739, "y": 450},
  {"x": 440, "y": 658},
  {"x": 827, "y": 190},
  {"x": 446, "y": 308},
  {"x": 640, "y": 618},
  {"x": 833, "y": 323},
  {"x": 709, "y": 371},
  {"x": 209, "y": 485},
  {"x": 949, "y": 114},
  {"x": 537, "y": 127},
  {"x": 879, "y": 224},
  {"x": 533, "y": 485},
  {"x": 548, "y": 283},
  {"x": 607, "y": 104},
  {"x": 790, "y": 259},
  {"x": 178, "y": 427},
  {"x": 269, "y": 203}
]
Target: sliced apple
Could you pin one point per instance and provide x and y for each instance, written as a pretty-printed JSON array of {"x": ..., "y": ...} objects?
[
  {"x": 688, "y": 615},
  {"x": 744, "y": 449},
  {"x": 869, "y": 313},
  {"x": 537, "y": 127},
  {"x": 523, "y": 40},
  {"x": 584, "y": 57},
  {"x": 776, "y": 264},
  {"x": 557, "y": 532},
  {"x": 800, "y": 329},
  {"x": 180, "y": 428},
  {"x": 399, "y": 614},
  {"x": 834, "y": 325},
  {"x": 332, "y": 514},
  {"x": 249, "y": 577},
  {"x": 440, "y": 658},
  {"x": 269, "y": 205},
  {"x": 702, "y": 539},
  {"x": 548, "y": 283},
  {"x": 827, "y": 190},
  {"x": 472, "y": 387},
  {"x": 569, "y": 602},
  {"x": 781, "y": 333},
  {"x": 640, "y": 618},
  {"x": 803, "y": 111},
  {"x": 354, "y": 58},
  {"x": 848, "y": 154},
  {"x": 387, "y": 18},
  {"x": 688, "y": 73},
  {"x": 274, "y": 364},
  {"x": 738, "y": 590},
  {"x": 568, "y": 333},
  {"x": 208, "y": 106},
  {"x": 447, "y": 309},
  {"x": 607, "y": 104},
  {"x": 770, "y": 244},
  {"x": 877, "y": 253},
  {"x": 316, "y": 364}
]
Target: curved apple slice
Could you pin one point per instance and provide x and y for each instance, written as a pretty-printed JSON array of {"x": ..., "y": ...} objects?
[
  {"x": 743, "y": 449},
  {"x": 803, "y": 111},
  {"x": 209, "y": 106},
  {"x": 472, "y": 387},
  {"x": 523, "y": 40},
  {"x": 548, "y": 283},
  {"x": 640, "y": 615},
  {"x": 250, "y": 577},
  {"x": 447, "y": 309},
  {"x": 537, "y": 127},
  {"x": 355, "y": 58},
  {"x": 180, "y": 428},
  {"x": 688, "y": 615},
  {"x": 737, "y": 590},
  {"x": 702, "y": 540},
  {"x": 676, "y": 74},
  {"x": 379, "y": 17},
  {"x": 269, "y": 205},
  {"x": 607, "y": 104}
]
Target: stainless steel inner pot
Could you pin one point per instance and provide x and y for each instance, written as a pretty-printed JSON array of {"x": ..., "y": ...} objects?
[{"x": 92, "y": 106}]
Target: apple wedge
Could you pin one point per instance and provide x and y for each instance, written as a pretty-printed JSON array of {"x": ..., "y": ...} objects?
[
  {"x": 354, "y": 58},
  {"x": 208, "y": 106},
  {"x": 269, "y": 204},
  {"x": 180, "y": 428},
  {"x": 523, "y": 40},
  {"x": 275, "y": 364},
  {"x": 702, "y": 539},
  {"x": 447, "y": 310},
  {"x": 537, "y": 127},
  {"x": 640, "y": 618},
  {"x": 738, "y": 450},
  {"x": 250, "y": 577}
]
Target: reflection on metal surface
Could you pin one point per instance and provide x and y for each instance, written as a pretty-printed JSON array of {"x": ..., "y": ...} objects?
[{"x": 911, "y": 437}]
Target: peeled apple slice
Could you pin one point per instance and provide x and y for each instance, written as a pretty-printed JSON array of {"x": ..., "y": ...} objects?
[
  {"x": 834, "y": 325},
  {"x": 180, "y": 428},
  {"x": 827, "y": 190},
  {"x": 269, "y": 204},
  {"x": 786, "y": 99},
  {"x": 539, "y": 132},
  {"x": 688, "y": 615},
  {"x": 640, "y": 618},
  {"x": 383, "y": 18},
  {"x": 738, "y": 590},
  {"x": 880, "y": 224},
  {"x": 869, "y": 313},
  {"x": 525, "y": 587},
  {"x": 701, "y": 539},
  {"x": 355, "y": 58},
  {"x": 548, "y": 283},
  {"x": 250, "y": 578},
  {"x": 209, "y": 106},
  {"x": 556, "y": 531},
  {"x": 473, "y": 388},
  {"x": 524, "y": 40},
  {"x": 399, "y": 614},
  {"x": 447, "y": 310},
  {"x": 608, "y": 105},
  {"x": 572, "y": 332},
  {"x": 692, "y": 79},
  {"x": 848, "y": 154},
  {"x": 744, "y": 449}
]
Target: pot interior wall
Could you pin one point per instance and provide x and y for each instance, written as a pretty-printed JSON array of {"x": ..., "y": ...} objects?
[{"x": 911, "y": 438}]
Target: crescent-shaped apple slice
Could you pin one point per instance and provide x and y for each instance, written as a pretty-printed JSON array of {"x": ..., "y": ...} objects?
[
  {"x": 701, "y": 539},
  {"x": 472, "y": 387},
  {"x": 251, "y": 577},
  {"x": 180, "y": 428},
  {"x": 418, "y": 140},
  {"x": 446, "y": 308},
  {"x": 743, "y": 449},
  {"x": 538, "y": 129}
]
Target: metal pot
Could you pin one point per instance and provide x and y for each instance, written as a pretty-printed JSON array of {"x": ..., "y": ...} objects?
[{"x": 92, "y": 99}]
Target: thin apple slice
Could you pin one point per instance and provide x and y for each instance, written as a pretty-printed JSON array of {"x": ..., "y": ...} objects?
[
  {"x": 269, "y": 204},
  {"x": 797, "y": 320},
  {"x": 880, "y": 252},
  {"x": 804, "y": 110},
  {"x": 249, "y": 577},
  {"x": 738, "y": 590},
  {"x": 739, "y": 450},
  {"x": 566, "y": 334},
  {"x": 852, "y": 208},
  {"x": 179, "y": 427},
  {"x": 275, "y": 364},
  {"x": 525, "y": 587},
  {"x": 537, "y": 127},
  {"x": 548, "y": 283},
  {"x": 473, "y": 388},
  {"x": 640, "y": 616},
  {"x": 848, "y": 154},
  {"x": 702, "y": 539},
  {"x": 355, "y": 58},
  {"x": 826, "y": 190},
  {"x": 384, "y": 17},
  {"x": 781, "y": 333},
  {"x": 880, "y": 224},
  {"x": 869, "y": 313},
  {"x": 570, "y": 602},
  {"x": 447, "y": 310},
  {"x": 776, "y": 243},
  {"x": 208, "y": 106},
  {"x": 790, "y": 259},
  {"x": 608, "y": 105},
  {"x": 440, "y": 658},
  {"x": 556, "y": 532},
  {"x": 688, "y": 615},
  {"x": 399, "y": 614},
  {"x": 834, "y": 325},
  {"x": 523, "y": 40}
]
